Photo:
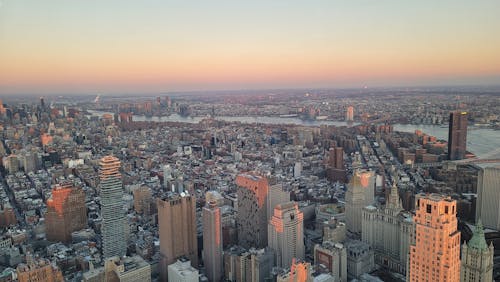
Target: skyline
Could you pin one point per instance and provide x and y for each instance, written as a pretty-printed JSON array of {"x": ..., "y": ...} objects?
[{"x": 127, "y": 47}]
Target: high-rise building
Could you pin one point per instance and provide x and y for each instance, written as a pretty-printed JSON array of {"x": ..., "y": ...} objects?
[
  {"x": 334, "y": 257},
  {"x": 167, "y": 176},
  {"x": 297, "y": 169},
  {"x": 235, "y": 265},
  {"x": 335, "y": 168},
  {"x": 114, "y": 228},
  {"x": 212, "y": 241},
  {"x": 457, "y": 135},
  {"x": 66, "y": 213},
  {"x": 277, "y": 195},
  {"x": 11, "y": 163},
  {"x": 143, "y": 200},
  {"x": 177, "y": 226},
  {"x": 286, "y": 233},
  {"x": 30, "y": 161},
  {"x": 252, "y": 194},
  {"x": 477, "y": 258},
  {"x": 435, "y": 255},
  {"x": 488, "y": 197},
  {"x": 389, "y": 230},
  {"x": 360, "y": 193},
  {"x": 241, "y": 265},
  {"x": 349, "y": 115}
]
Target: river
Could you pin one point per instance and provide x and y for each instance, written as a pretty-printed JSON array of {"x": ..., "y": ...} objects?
[{"x": 479, "y": 140}]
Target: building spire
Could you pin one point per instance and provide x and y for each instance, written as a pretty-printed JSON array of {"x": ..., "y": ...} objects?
[
  {"x": 393, "y": 200},
  {"x": 478, "y": 241}
]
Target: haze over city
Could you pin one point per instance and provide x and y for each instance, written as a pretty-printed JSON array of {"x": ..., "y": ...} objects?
[{"x": 80, "y": 47}]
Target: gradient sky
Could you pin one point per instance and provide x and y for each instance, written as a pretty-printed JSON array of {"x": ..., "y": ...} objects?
[{"x": 121, "y": 46}]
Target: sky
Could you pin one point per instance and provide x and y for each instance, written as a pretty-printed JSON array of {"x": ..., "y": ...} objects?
[{"x": 146, "y": 46}]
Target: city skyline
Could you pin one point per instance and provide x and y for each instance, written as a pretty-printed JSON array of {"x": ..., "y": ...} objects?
[{"x": 124, "y": 47}]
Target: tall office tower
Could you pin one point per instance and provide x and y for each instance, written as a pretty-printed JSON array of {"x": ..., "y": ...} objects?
[
  {"x": 167, "y": 176},
  {"x": 252, "y": 194},
  {"x": 114, "y": 228},
  {"x": 212, "y": 241},
  {"x": 66, "y": 213},
  {"x": 297, "y": 170},
  {"x": 335, "y": 168},
  {"x": 360, "y": 193},
  {"x": 277, "y": 195},
  {"x": 177, "y": 224},
  {"x": 349, "y": 115},
  {"x": 286, "y": 233},
  {"x": 488, "y": 197},
  {"x": 477, "y": 258},
  {"x": 435, "y": 255},
  {"x": 30, "y": 162},
  {"x": 334, "y": 257},
  {"x": 11, "y": 164},
  {"x": 457, "y": 135},
  {"x": 389, "y": 230}
]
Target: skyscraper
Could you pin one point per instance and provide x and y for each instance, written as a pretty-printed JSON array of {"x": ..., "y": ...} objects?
[
  {"x": 360, "y": 193},
  {"x": 177, "y": 225},
  {"x": 167, "y": 176},
  {"x": 457, "y": 135},
  {"x": 389, "y": 230},
  {"x": 349, "y": 115},
  {"x": 252, "y": 193},
  {"x": 114, "y": 228},
  {"x": 277, "y": 195},
  {"x": 286, "y": 233},
  {"x": 435, "y": 256},
  {"x": 66, "y": 213},
  {"x": 477, "y": 258},
  {"x": 212, "y": 241},
  {"x": 488, "y": 197},
  {"x": 335, "y": 169}
]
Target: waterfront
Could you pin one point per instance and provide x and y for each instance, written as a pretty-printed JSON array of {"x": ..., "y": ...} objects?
[{"x": 480, "y": 141}]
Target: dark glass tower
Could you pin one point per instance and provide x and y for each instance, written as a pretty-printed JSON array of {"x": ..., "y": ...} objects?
[{"x": 457, "y": 135}]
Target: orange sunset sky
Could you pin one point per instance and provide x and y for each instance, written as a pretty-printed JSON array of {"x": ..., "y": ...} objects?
[{"x": 92, "y": 46}]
